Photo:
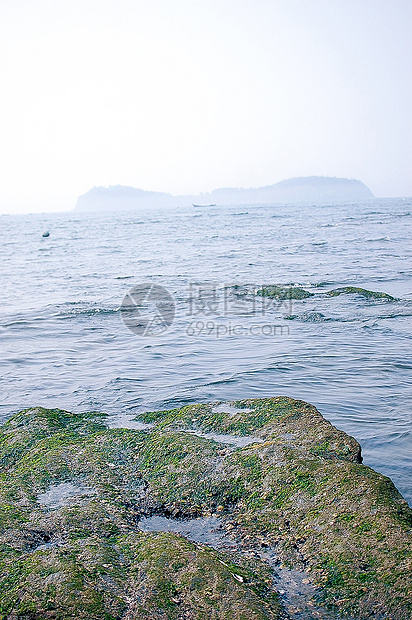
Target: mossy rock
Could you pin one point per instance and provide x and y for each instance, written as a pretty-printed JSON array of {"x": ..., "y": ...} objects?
[
  {"x": 300, "y": 489},
  {"x": 283, "y": 292},
  {"x": 139, "y": 576},
  {"x": 350, "y": 290}
]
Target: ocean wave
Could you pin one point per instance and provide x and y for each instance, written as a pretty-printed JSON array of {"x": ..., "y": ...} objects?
[
  {"x": 377, "y": 239},
  {"x": 77, "y": 312}
]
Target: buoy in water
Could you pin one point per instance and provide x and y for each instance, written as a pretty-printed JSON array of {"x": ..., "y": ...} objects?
[{"x": 46, "y": 234}]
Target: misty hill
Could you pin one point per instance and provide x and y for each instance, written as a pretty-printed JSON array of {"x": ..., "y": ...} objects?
[
  {"x": 118, "y": 197},
  {"x": 301, "y": 189},
  {"x": 317, "y": 190}
]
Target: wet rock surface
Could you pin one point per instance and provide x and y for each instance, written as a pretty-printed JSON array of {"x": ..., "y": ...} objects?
[
  {"x": 158, "y": 522},
  {"x": 292, "y": 292},
  {"x": 283, "y": 292},
  {"x": 363, "y": 292},
  {"x": 318, "y": 305},
  {"x": 58, "y": 495},
  {"x": 297, "y": 593}
]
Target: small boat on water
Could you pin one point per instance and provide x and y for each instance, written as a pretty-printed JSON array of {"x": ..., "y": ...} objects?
[{"x": 202, "y": 206}]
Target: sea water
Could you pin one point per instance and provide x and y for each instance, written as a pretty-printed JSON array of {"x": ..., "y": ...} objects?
[{"x": 64, "y": 342}]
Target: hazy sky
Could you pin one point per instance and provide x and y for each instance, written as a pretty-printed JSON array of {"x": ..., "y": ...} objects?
[{"x": 185, "y": 96}]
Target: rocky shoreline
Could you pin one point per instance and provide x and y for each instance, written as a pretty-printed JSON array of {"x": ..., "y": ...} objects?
[{"x": 280, "y": 487}]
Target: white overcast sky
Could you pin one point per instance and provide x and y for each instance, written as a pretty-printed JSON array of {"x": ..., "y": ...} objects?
[{"x": 184, "y": 96}]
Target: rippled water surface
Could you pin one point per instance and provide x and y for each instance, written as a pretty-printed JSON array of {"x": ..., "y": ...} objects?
[{"x": 64, "y": 343}]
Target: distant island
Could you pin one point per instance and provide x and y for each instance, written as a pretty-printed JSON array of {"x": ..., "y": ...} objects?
[{"x": 316, "y": 190}]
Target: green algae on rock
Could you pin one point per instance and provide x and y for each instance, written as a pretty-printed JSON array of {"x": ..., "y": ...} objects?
[
  {"x": 248, "y": 292},
  {"x": 300, "y": 489},
  {"x": 348, "y": 290},
  {"x": 308, "y": 317},
  {"x": 283, "y": 292}
]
